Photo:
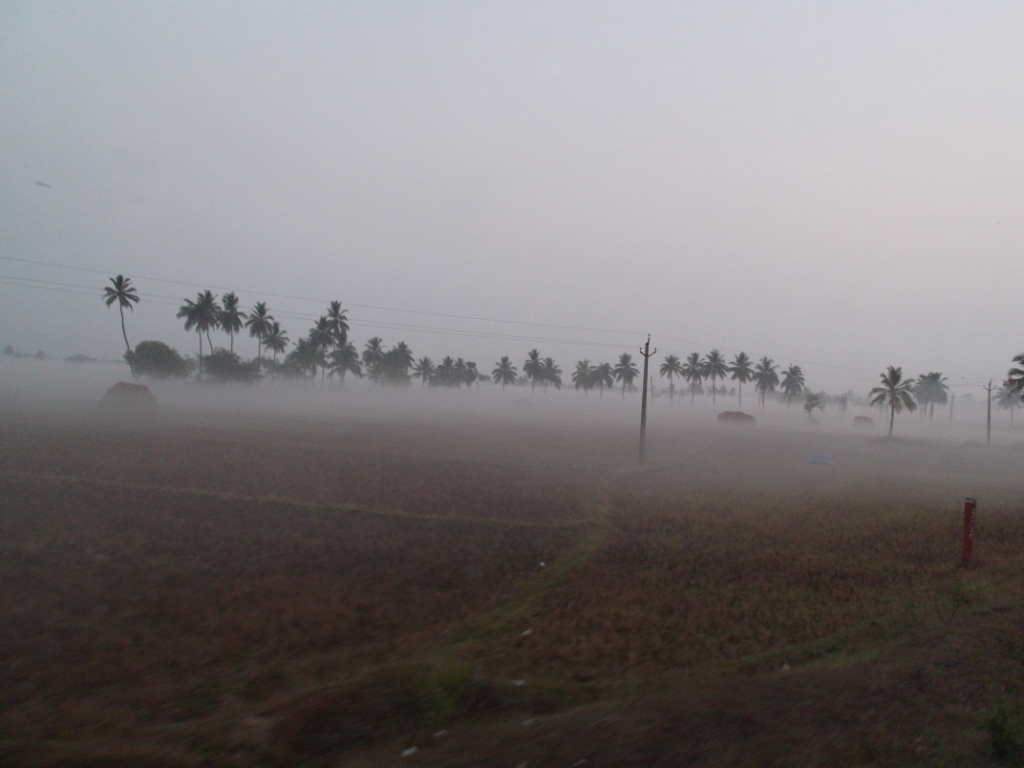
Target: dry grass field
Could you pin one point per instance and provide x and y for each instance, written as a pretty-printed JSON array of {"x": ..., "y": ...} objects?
[{"x": 277, "y": 590}]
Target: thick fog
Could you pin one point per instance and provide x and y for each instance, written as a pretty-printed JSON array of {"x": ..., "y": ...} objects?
[{"x": 835, "y": 186}]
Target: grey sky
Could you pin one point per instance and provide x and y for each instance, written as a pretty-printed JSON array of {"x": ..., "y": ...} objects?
[{"x": 837, "y": 184}]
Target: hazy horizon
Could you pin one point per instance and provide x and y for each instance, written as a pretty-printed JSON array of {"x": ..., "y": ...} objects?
[{"x": 835, "y": 186}]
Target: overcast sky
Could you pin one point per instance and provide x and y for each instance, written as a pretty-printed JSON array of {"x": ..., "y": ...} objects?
[{"x": 835, "y": 184}]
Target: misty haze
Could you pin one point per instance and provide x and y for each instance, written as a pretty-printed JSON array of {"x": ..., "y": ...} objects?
[{"x": 526, "y": 385}]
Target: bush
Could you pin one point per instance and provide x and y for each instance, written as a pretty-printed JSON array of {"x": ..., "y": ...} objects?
[
  {"x": 157, "y": 361},
  {"x": 224, "y": 365}
]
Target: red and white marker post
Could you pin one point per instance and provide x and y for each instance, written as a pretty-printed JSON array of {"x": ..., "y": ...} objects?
[{"x": 970, "y": 512}]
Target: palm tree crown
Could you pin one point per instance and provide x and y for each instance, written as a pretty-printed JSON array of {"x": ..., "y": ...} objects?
[
  {"x": 202, "y": 315},
  {"x": 1008, "y": 399},
  {"x": 625, "y": 371},
  {"x": 742, "y": 371},
  {"x": 276, "y": 340},
  {"x": 424, "y": 368},
  {"x": 345, "y": 359},
  {"x": 1015, "y": 377},
  {"x": 693, "y": 372},
  {"x": 504, "y": 372},
  {"x": 766, "y": 378},
  {"x": 672, "y": 366},
  {"x": 716, "y": 368},
  {"x": 604, "y": 376},
  {"x": 259, "y": 325},
  {"x": 792, "y": 383},
  {"x": 895, "y": 392},
  {"x": 123, "y": 292},
  {"x": 533, "y": 368},
  {"x": 931, "y": 390},
  {"x": 551, "y": 373},
  {"x": 339, "y": 323},
  {"x": 230, "y": 317},
  {"x": 582, "y": 376}
]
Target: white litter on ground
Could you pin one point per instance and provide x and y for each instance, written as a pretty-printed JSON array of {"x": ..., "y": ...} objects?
[{"x": 409, "y": 751}]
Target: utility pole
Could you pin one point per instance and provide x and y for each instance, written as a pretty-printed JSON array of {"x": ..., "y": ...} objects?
[
  {"x": 646, "y": 352},
  {"x": 988, "y": 425},
  {"x": 952, "y": 399}
]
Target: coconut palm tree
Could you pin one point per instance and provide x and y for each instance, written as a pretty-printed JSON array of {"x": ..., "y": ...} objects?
[
  {"x": 604, "y": 376},
  {"x": 742, "y": 371},
  {"x": 672, "y": 366},
  {"x": 123, "y": 292},
  {"x": 345, "y": 359},
  {"x": 792, "y": 383},
  {"x": 693, "y": 372},
  {"x": 716, "y": 368},
  {"x": 533, "y": 368},
  {"x": 322, "y": 337},
  {"x": 504, "y": 372},
  {"x": 766, "y": 378},
  {"x": 625, "y": 371},
  {"x": 395, "y": 365},
  {"x": 424, "y": 368},
  {"x": 339, "y": 323},
  {"x": 373, "y": 356},
  {"x": 471, "y": 375},
  {"x": 551, "y": 373},
  {"x": 1008, "y": 399},
  {"x": 230, "y": 318},
  {"x": 259, "y": 325},
  {"x": 894, "y": 392},
  {"x": 582, "y": 376},
  {"x": 1015, "y": 377},
  {"x": 446, "y": 375},
  {"x": 276, "y": 340},
  {"x": 200, "y": 314},
  {"x": 306, "y": 356},
  {"x": 931, "y": 390}
]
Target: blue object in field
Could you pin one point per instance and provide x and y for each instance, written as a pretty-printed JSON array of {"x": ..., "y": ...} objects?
[{"x": 820, "y": 457}]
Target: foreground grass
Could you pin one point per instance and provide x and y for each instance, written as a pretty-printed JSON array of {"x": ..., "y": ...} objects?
[{"x": 181, "y": 599}]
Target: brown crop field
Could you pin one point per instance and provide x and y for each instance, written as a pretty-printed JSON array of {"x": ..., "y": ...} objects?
[{"x": 282, "y": 590}]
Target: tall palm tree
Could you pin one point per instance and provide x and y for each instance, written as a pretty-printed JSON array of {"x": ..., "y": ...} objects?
[
  {"x": 581, "y": 377},
  {"x": 259, "y": 325},
  {"x": 693, "y": 372},
  {"x": 339, "y": 323},
  {"x": 1008, "y": 399},
  {"x": 230, "y": 318},
  {"x": 322, "y": 337},
  {"x": 766, "y": 378},
  {"x": 504, "y": 372},
  {"x": 276, "y": 340},
  {"x": 716, "y": 369},
  {"x": 792, "y": 383},
  {"x": 742, "y": 370},
  {"x": 931, "y": 390},
  {"x": 123, "y": 292},
  {"x": 672, "y": 366},
  {"x": 533, "y": 368},
  {"x": 345, "y": 359},
  {"x": 200, "y": 314},
  {"x": 894, "y": 392},
  {"x": 551, "y": 374},
  {"x": 625, "y": 371},
  {"x": 424, "y": 368},
  {"x": 604, "y": 376}
]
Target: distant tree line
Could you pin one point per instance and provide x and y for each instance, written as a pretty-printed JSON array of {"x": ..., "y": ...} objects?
[{"x": 326, "y": 351}]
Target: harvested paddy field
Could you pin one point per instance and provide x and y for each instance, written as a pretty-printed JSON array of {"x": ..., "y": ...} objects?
[{"x": 276, "y": 590}]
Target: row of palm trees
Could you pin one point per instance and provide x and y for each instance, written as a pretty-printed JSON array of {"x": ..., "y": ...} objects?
[{"x": 327, "y": 350}]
